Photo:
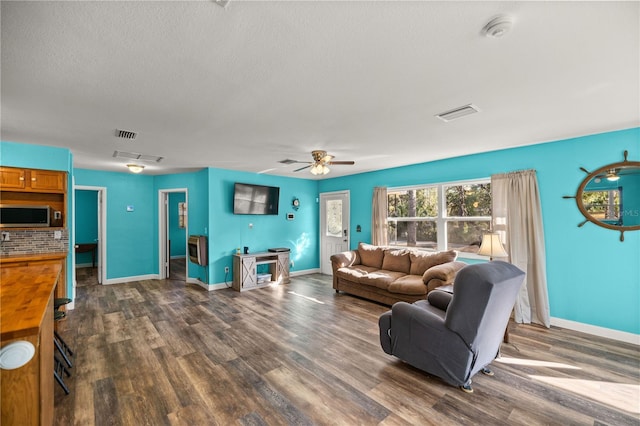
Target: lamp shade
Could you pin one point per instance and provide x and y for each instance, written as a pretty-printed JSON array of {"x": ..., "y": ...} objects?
[{"x": 491, "y": 246}]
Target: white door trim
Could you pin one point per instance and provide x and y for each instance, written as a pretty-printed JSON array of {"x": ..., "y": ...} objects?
[
  {"x": 346, "y": 226},
  {"x": 163, "y": 230},
  {"x": 102, "y": 233}
]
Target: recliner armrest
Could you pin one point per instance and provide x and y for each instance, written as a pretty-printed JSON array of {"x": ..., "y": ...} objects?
[{"x": 411, "y": 313}]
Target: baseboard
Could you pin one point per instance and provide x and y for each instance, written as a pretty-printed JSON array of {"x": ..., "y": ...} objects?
[
  {"x": 304, "y": 272},
  {"x": 595, "y": 330},
  {"x": 208, "y": 287},
  {"x": 181, "y": 256},
  {"x": 131, "y": 279},
  {"x": 84, "y": 265}
]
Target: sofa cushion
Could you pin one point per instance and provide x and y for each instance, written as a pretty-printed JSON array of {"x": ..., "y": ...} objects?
[
  {"x": 371, "y": 255},
  {"x": 396, "y": 260},
  {"x": 421, "y": 261},
  {"x": 409, "y": 284},
  {"x": 353, "y": 273},
  {"x": 381, "y": 278}
]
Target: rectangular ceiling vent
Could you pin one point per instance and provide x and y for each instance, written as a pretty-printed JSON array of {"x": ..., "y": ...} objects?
[
  {"x": 287, "y": 161},
  {"x": 125, "y": 134},
  {"x": 137, "y": 156},
  {"x": 459, "y": 112}
]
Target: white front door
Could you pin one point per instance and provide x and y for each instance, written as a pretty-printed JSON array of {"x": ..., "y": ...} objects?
[{"x": 334, "y": 227}]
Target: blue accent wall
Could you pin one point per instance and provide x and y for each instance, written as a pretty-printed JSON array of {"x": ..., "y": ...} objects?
[
  {"x": 228, "y": 231},
  {"x": 86, "y": 216},
  {"x": 131, "y": 235},
  {"x": 583, "y": 264}
]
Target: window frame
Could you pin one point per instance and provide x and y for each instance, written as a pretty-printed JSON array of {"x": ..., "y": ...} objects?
[{"x": 442, "y": 218}]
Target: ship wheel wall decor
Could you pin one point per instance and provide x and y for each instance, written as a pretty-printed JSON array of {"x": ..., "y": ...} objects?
[{"x": 610, "y": 196}]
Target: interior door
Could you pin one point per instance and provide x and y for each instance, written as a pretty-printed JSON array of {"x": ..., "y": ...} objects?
[{"x": 334, "y": 227}]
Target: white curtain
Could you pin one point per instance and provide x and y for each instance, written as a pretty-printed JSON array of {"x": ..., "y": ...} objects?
[
  {"x": 517, "y": 217},
  {"x": 379, "y": 217}
]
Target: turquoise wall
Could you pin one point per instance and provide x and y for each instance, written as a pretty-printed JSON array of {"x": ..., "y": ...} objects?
[
  {"x": 86, "y": 215},
  {"x": 582, "y": 263},
  {"x": 131, "y": 235},
  {"x": 228, "y": 231},
  {"x": 45, "y": 158},
  {"x": 177, "y": 235}
]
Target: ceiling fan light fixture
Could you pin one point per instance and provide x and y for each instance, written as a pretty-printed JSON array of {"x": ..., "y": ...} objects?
[
  {"x": 612, "y": 176},
  {"x": 135, "y": 168},
  {"x": 319, "y": 169}
]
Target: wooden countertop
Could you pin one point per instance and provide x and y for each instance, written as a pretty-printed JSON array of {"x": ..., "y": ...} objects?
[
  {"x": 24, "y": 294},
  {"x": 11, "y": 258}
]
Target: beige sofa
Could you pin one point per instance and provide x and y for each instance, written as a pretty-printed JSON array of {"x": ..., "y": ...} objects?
[{"x": 389, "y": 275}]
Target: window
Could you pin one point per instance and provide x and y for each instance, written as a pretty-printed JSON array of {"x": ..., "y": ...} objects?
[
  {"x": 603, "y": 205},
  {"x": 447, "y": 216}
]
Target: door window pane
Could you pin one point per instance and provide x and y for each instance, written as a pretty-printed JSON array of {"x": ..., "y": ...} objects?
[{"x": 334, "y": 218}]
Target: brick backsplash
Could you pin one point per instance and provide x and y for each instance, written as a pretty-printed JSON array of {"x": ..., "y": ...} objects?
[{"x": 34, "y": 241}]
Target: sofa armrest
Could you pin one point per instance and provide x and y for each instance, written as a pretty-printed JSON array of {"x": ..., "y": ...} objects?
[
  {"x": 346, "y": 258},
  {"x": 442, "y": 274},
  {"x": 340, "y": 260}
]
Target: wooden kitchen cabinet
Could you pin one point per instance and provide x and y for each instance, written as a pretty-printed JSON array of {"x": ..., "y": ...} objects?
[
  {"x": 32, "y": 180},
  {"x": 20, "y": 186}
]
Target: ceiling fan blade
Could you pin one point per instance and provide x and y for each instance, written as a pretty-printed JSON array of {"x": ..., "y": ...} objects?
[
  {"x": 341, "y": 163},
  {"x": 302, "y": 168}
]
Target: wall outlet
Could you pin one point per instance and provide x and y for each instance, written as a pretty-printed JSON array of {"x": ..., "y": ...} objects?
[
  {"x": 5, "y": 236},
  {"x": 226, "y": 269},
  {"x": 57, "y": 235}
]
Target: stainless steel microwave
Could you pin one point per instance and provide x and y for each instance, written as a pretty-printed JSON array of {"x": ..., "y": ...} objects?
[{"x": 23, "y": 216}]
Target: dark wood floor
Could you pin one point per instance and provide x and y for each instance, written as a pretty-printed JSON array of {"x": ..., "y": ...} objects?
[{"x": 162, "y": 352}]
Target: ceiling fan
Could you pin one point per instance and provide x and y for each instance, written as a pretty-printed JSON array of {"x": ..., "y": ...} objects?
[
  {"x": 611, "y": 175},
  {"x": 320, "y": 162}
]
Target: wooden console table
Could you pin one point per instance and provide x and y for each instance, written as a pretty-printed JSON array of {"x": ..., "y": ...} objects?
[{"x": 245, "y": 276}]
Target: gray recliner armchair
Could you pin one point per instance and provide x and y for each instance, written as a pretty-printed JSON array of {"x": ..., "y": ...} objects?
[{"x": 454, "y": 336}]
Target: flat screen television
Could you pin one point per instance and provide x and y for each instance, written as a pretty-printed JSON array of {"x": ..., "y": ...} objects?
[{"x": 255, "y": 199}]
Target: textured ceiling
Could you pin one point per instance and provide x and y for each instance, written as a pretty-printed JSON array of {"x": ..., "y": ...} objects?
[{"x": 245, "y": 86}]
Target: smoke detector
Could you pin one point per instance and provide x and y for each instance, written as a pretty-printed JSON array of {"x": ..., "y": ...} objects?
[{"x": 498, "y": 26}]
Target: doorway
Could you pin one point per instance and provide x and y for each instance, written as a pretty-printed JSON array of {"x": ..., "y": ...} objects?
[
  {"x": 334, "y": 227},
  {"x": 90, "y": 235},
  {"x": 173, "y": 232}
]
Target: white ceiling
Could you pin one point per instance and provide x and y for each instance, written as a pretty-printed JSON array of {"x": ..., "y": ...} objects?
[{"x": 245, "y": 86}]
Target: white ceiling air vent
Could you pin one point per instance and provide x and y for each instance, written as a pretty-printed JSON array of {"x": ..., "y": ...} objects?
[
  {"x": 125, "y": 134},
  {"x": 459, "y": 112},
  {"x": 137, "y": 156}
]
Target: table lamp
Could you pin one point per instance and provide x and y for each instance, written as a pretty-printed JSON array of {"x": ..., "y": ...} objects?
[{"x": 491, "y": 246}]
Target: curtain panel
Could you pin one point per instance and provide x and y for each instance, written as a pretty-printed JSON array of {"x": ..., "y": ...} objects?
[
  {"x": 379, "y": 235},
  {"x": 517, "y": 217}
]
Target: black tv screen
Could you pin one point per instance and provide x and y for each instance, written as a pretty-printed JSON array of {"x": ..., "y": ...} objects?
[{"x": 255, "y": 199}]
